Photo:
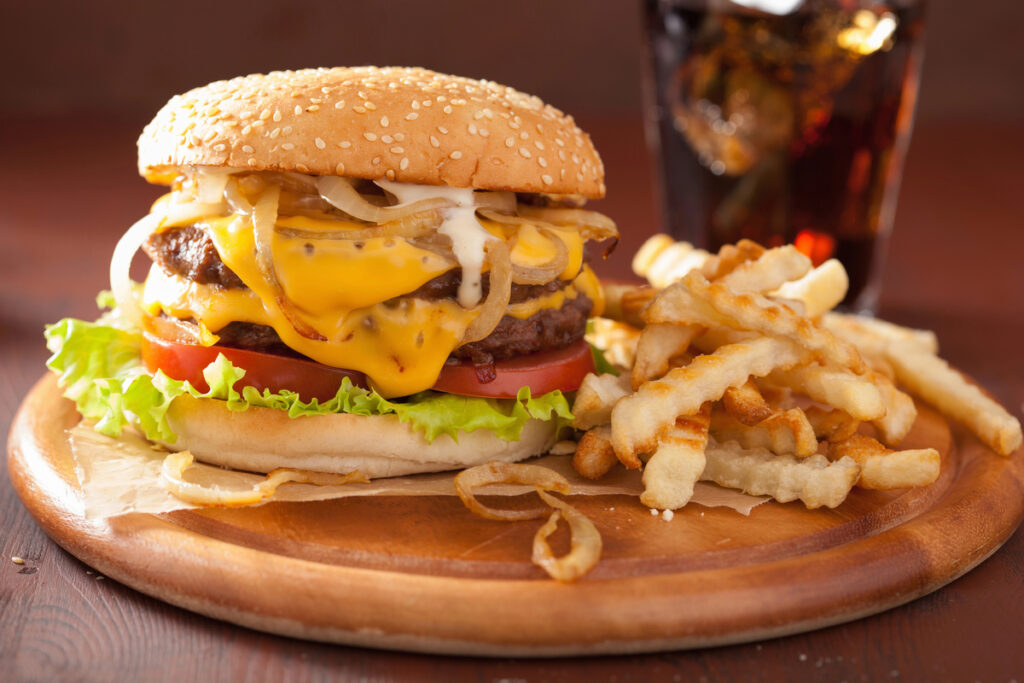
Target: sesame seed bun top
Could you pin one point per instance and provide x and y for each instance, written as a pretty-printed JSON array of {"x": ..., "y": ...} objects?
[{"x": 411, "y": 125}]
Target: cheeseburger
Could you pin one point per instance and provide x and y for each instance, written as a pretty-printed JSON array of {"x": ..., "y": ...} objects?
[{"x": 372, "y": 269}]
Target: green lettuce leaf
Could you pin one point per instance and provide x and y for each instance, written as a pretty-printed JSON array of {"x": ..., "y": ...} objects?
[{"x": 101, "y": 371}]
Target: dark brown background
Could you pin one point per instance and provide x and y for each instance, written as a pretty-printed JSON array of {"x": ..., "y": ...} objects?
[{"x": 80, "y": 79}]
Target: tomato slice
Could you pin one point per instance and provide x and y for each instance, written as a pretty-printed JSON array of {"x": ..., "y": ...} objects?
[
  {"x": 562, "y": 369},
  {"x": 262, "y": 370}
]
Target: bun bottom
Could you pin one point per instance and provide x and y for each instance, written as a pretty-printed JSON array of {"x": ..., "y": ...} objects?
[{"x": 262, "y": 439}]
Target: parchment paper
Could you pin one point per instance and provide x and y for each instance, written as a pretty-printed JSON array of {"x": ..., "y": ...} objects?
[{"x": 119, "y": 476}]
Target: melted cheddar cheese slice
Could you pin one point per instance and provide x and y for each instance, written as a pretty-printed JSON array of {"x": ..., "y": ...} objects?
[{"x": 347, "y": 291}]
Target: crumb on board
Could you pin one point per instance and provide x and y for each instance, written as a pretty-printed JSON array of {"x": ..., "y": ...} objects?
[
  {"x": 18, "y": 560},
  {"x": 667, "y": 515}
]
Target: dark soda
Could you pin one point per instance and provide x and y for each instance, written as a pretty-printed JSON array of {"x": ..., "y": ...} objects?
[{"x": 785, "y": 128}]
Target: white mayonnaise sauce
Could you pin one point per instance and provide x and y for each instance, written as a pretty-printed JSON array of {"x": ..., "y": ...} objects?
[{"x": 460, "y": 225}]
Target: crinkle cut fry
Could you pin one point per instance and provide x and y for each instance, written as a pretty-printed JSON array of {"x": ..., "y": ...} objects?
[
  {"x": 595, "y": 399},
  {"x": 881, "y": 468},
  {"x": 759, "y": 472},
  {"x": 819, "y": 291},
  {"x": 746, "y": 404},
  {"x": 854, "y": 394},
  {"x": 936, "y": 382},
  {"x": 932, "y": 379},
  {"x": 658, "y": 344},
  {"x": 751, "y": 311},
  {"x": 638, "y": 420},
  {"x": 786, "y": 432},
  {"x": 594, "y": 455},
  {"x": 769, "y": 271},
  {"x": 673, "y": 469}
]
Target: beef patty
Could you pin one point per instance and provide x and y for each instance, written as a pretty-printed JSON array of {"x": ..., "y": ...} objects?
[{"x": 190, "y": 253}]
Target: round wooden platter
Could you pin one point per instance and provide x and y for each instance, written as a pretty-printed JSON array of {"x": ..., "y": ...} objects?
[{"x": 423, "y": 574}]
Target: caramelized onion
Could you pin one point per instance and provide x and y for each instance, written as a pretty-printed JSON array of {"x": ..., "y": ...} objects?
[
  {"x": 585, "y": 542},
  {"x": 410, "y": 227},
  {"x": 539, "y": 275},
  {"x": 211, "y": 183},
  {"x": 121, "y": 263},
  {"x": 339, "y": 193},
  {"x": 264, "y": 216},
  {"x": 504, "y": 202},
  {"x": 174, "y": 466},
  {"x": 496, "y": 472},
  {"x": 175, "y": 214},
  {"x": 493, "y": 307},
  {"x": 593, "y": 225},
  {"x": 235, "y": 199},
  {"x": 181, "y": 331}
]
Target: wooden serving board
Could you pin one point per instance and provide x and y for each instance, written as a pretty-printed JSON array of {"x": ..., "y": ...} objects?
[{"x": 423, "y": 574}]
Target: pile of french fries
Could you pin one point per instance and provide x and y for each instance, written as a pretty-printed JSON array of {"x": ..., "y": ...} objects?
[{"x": 741, "y": 375}]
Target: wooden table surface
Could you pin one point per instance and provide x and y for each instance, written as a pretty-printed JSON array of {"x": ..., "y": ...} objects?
[{"x": 68, "y": 189}]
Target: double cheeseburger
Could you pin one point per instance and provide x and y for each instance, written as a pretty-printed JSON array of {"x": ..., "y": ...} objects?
[{"x": 373, "y": 269}]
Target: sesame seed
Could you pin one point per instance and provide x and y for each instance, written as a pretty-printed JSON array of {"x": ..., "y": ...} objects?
[
  {"x": 287, "y": 130},
  {"x": 471, "y": 128},
  {"x": 543, "y": 162},
  {"x": 484, "y": 132},
  {"x": 404, "y": 163},
  {"x": 560, "y": 142},
  {"x": 274, "y": 133},
  {"x": 428, "y": 103},
  {"x": 340, "y": 168},
  {"x": 340, "y": 104},
  {"x": 434, "y": 141},
  {"x": 390, "y": 174},
  {"x": 524, "y": 152},
  {"x": 399, "y": 137},
  {"x": 443, "y": 130},
  {"x": 359, "y": 110},
  {"x": 456, "y": 154},
  {"x": 287, "y": 146},
  {"x": 344, "y": 144},
  {"x": 298, "y": 109},
  {"x": 264, "y": 115},
  {"x": 397, "y": 150},
  {"x": 375, "y": 161},
  {"x": 411, "y": 116},
  {"x": 246, "y": 130},
  {"x": 524, "y": 135},
  {"x": 538, "y": 144},
  {"x": 320, "y": 144},
  {"x": 247, "y": 149},
  {"x": 510, "y": 141},
  {"x": 575, "y": 158},
  {"x": 313, "y": 107},
  {"x": 277, "y": 115},
  {"x": 547, "y": 179},
  {"x": 447, "y": 109},
  {"x": 219, "y": 147},
  {"x": 383, "y": 122},
  {"x": 370, "y": 136},
  {"x": 371, "y": 106},
  {"x": 251, "y": 162},
  {"x": 415, "y": 104},
  {"x": 301, "y": 168},
  {"x": 561, "y": 155}
]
